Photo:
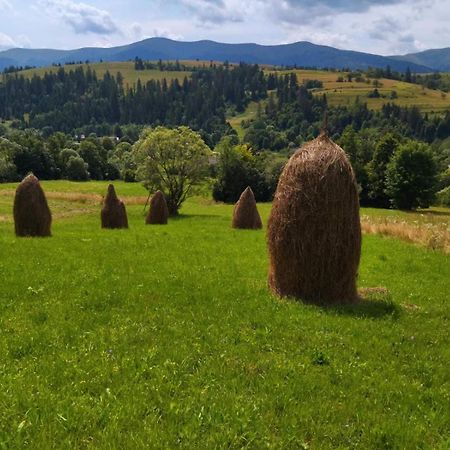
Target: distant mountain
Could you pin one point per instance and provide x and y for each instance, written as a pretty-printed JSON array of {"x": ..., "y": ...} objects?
[
  {"x": 302, "y": 54},
  {"x": 438, "y": 59}
]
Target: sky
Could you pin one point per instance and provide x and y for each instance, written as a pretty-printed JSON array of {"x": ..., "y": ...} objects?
[{"x": 385, "y": 27}]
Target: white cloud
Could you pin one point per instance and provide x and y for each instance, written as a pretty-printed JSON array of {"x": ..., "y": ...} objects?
[
  {"x": 138, "y": 32},
  {"x": 216, "y": 11},
  {"x": 5, "y": 5},
  {"x": 374, "y": 26},
  {"x": 6, "y": 41},
  {"x": 83, "y": 18}
]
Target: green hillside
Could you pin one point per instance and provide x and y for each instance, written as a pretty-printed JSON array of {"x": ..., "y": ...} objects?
[
  {"x": 345, "y": 93},
  {"x": 131, "y": 76},
  {"x": 338, "y": 93}
]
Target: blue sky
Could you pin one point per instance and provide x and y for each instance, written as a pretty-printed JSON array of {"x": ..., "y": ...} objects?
[{"x": 382, "y": 26}]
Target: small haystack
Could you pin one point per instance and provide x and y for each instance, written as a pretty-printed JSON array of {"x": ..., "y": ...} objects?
[
  {"x": 114, "y": 214},
  {"x": 158, "y": 213},
  {"x": 246, "y": 215},
  {"x": 314, "y": 231},
  {"x": 32, "y": 216}
]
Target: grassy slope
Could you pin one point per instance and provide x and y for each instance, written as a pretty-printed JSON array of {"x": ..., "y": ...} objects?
[
  {"x": 167, "y": 337},
  {"x": 345, "y": 93},
  {"x": 125, "y": 68},
  {"x": 249, "y": 114}
]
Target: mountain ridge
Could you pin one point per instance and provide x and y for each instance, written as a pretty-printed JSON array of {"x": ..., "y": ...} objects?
[
  {"x": 302, "y": 53},
  {"x": 438, "y": 58}
]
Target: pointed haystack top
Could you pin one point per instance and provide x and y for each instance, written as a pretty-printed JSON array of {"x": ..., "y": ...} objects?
[
  {"x": 314, "y": 232},
  {"x": 159, "y": 213},
  {"x": 111, "y": 194},
  {"x": 246, "y": 215},
  {"x": 32, "y": 215},
  {"x": 113, "y": 214}
]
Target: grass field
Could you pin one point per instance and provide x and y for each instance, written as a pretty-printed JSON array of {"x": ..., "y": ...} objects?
[
  {"x": 126, "y": 68},
  {"x": 166, "y": 337},
  {"x": 249, "y": 114},
  {"x": 130, "y": 75},
  {"x": 345, "y": 93}
]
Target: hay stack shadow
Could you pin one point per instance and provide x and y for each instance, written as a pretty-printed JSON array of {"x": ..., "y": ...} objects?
[
  {"x": 32, "y": 216},
  {"x": 373, "y": 303},
  {"x": 245, "y": 214},
  {"x": 113, "y": 214},
  {"x": 159, "y": 212},
  {"x": 314, "y": 231}
]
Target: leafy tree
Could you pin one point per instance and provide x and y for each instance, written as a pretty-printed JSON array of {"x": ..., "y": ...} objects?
[
  {"x": 350, "y": 141},
  {"x": 443, "y": 197},
  {"x": 8, "y": 170},
  {"x": 107, "y": 143},
  {"x": 91, "y": 152},
  {"x": 32, "y": 156},
  {"x": 237, "y": 169},
  {"x": 123, "y": 160},
  {"x": 64, "y": 156},
  {"x": 173, "y": 161},
  {"x": 411, "y": 176},
  {"x": 111, "y": 171},
  {"x": 377, "y": 170},
  {"x": 122, "y": 148},
  {"x": 77, "y": 169}
]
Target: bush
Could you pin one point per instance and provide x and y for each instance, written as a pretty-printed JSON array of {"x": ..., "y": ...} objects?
[
  {"x": 443, "y": 197},
  {"x": 8, "y": 170},
  {"x": 76, "y": 169},
  {"x": 237, "y": 169},
  {"x": 411, "y": 177}
]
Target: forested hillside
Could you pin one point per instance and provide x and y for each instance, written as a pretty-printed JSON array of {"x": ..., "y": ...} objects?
[{"x": 74, "y": 123}]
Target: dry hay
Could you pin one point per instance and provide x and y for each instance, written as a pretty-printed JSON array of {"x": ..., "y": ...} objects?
[
  {"x": 114, "y": 214},
  {"x": 431, "y": 234},
  {"x": 314, "y": 232},
  {"x": 246, "y": 215},
  {"x": 158, "y": 213},
  {"x": 32, "y": 216}
]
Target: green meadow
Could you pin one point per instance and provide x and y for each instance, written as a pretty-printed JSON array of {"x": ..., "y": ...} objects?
[
  {"x": 346, "y": 93},
  {"x": 167, "y": 337},
  {"x": 130, "y": 75}
]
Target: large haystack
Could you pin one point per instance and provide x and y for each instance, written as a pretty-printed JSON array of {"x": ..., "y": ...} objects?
[
  {"x": 246, "y": 213},
  {"x": 114, "y": 214},
  {"x": 158, "y": 213},
  {"x": 314, "y": 231},
  {"x": 32, "y": 215}
]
